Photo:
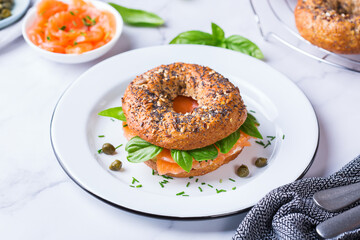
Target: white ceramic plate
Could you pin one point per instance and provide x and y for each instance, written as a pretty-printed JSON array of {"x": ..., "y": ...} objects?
[
  {"x": 18, "y": 10},
  {"x": 281, "y": 108}
]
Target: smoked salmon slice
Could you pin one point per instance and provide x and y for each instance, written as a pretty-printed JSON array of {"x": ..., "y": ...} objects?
[{"x": 72, "y": 28}]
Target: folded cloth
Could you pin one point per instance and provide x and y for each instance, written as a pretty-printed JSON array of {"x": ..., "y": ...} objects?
[{"x": 289, "y": 212}]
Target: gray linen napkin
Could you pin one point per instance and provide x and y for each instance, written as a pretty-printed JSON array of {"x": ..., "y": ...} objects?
[{"x": 289, "y": 212}]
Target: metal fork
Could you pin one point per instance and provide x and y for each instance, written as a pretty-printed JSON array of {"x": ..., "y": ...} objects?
[{"x": 335, "y": 199}]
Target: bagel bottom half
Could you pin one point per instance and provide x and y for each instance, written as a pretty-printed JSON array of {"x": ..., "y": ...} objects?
[{"x": 198, "y": 171}]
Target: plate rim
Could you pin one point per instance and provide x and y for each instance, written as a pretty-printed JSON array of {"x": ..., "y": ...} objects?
[
  {"x": 159, "y": 216},
  {"x": 14, "y": 18}
]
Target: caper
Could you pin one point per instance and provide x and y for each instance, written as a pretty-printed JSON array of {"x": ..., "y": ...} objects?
[
  {"x": 243, "y": 171},
  {"x": 115, "y": 165},
  {"x": 108, "y": 148},
  {"x": 5, "y": 7},
  {"x": 261, "y": 162},
  {"x": 5, "y": 13}
]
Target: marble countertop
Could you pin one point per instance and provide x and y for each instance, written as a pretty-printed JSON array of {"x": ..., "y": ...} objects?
[{"x": 39, "y": 201}]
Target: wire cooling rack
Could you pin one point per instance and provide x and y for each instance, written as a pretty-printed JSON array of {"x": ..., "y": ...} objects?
[{"x": 280, "y": 25}]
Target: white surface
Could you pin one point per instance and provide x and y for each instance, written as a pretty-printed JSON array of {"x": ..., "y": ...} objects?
[
  {"x": 263, "y": 90},
  {"x": 39, "y": 201},
  {"x": 74, "y": 58}
]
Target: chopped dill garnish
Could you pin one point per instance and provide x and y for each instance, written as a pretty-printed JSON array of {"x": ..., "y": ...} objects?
[
  {"x": 166, "y": 177},
  {"x": 161, "y": 184},
  {"x": 118, "y": 146},
  {"x": 231, "y": 179},
  {"x": 271, "y": 137},
  {"x": 263, "y": 144},
  {"x": 220, "y": 181},
  {"x": 62, "y": 28},
  {"x": 203, "y": 183},
  {"x": 197, "y": 180},
  {"x": 125, "y": 125},
  {"x": 139, "y": 186},
  {"x": 252, "y": 111},
  {"x": 134, "y": 180},
  {"x": 200, "y": 189},
  {"x": 101, "y": 136},
  {"x": 112, "y": 119},
  {"x": 85, "y": 22},
  {"x": 233, "y": 188},
  {"x": 191, "y": 177},
  {"x": 283, "y": 136},
  {"x": 268, "y": 144},
  {"x": 99, "y": 151},
  {"x": 210, "y": 185},
  {"x": 153, "y": 172},
  {"x": 185, "y": 195},
  {"x": 72, "y": 13},
  {"x": 131, "y": 185},
  {"x": 92, "y": 20},
  {"x": 180, "y": 193},
  {"x": 220, "y": 190},
  {"x": 260, "y": 143},
  {"x": 187, "y": 185},
  {"x": 48, "y": 38}
]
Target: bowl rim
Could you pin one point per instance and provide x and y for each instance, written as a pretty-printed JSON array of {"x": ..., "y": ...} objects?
[{"x": 30, "y": 15}]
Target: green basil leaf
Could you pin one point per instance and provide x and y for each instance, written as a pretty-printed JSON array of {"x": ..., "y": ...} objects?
[
  {"x": 217, "y": 32},
  {"x": 249, "y": 127},
  {"x": 194, "y": 37},
  {"x": 137, "y": 17},
  {"x": 217, "y": 38},
  {"x": 115, "y": 112},
  {"x": 228, "y": 143},
  {"x": 205, "y": 153},
  {"x": 221, "y": 44},
  {"x": 183, "y": 159},
  {"x": 244, "y": 45},
  {"x": 249, "y": 115},
  {"x": 140, "y": 150}
]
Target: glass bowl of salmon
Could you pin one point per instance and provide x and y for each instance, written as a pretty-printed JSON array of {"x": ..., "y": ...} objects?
[{"x": 73, "y": 31}]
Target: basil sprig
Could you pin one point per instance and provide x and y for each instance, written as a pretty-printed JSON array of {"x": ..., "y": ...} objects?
[
  {"x": 226, "y": 144},
  {"x": 244, "y": 45},
  {"x": 205, "y": 153},
  {"x": 137, "y": 17},
  {"x": 255, "y": 121},
  {"x": 116, "y": 112},
  {"x": 183, "y": 159},
  {"x": 217, "y": 38},
  {"x": 194, "y": 37},
  {"x": 249, "y": 127},
  {"x": 140, "y": 150}
]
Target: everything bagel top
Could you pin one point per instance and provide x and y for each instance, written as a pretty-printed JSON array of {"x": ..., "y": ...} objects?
[{"x": 148, "y": 106}]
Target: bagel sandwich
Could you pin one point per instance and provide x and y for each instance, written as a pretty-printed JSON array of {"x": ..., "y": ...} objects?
[
  {"x": 333, "y": 25},
  {"x": 184, "y": 120}
]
